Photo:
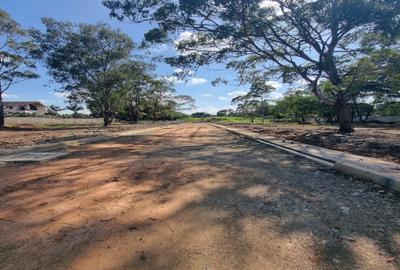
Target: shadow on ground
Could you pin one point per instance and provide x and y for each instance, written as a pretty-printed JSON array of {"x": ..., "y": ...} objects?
[{"x": 192, "y": 197}]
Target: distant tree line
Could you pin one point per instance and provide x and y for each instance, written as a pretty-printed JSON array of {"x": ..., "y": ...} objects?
[
  {"x": 93, "y": 64},
  {"x": 336, "y": 48},
  {"x": 300, "y": 106},
  {"x": 17, "y": 53}
]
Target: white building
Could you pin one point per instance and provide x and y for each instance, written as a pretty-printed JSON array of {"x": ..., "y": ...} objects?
[{"x": 27, "y": 107}]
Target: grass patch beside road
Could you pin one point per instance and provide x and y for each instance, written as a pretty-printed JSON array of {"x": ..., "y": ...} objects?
[{"x": 227, "y": 119}]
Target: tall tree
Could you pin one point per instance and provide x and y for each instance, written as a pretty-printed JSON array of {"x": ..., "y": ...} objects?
[
  {"x": 16, "y": 63},
  {"x": 159, "y": 93},
  {"x": 85, "y": 59},
  {"x": 137, "y": 82},
  {"x": 376, "y": 76},
  {"x": 74, "y": 105},
  {"x": 182, "y": 103},
  {"x": 54, "y": 109},
  {"x": 293, "y": 40},
  {"x": 246, "y": 105},
  {"x": 299, "y": 106},
  {"x": 260, "y": 90}
]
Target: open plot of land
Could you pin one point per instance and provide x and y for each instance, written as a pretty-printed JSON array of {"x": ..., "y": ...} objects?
[
  {"x": 28, "y": 135},
  {"x": 380, "y": 142},
  {"x": 192, "y": 196}
]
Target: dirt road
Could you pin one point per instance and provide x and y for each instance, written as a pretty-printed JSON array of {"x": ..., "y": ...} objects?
[
  {"x": 16, "y": 137},
  {"x": 192, "y": 197}
]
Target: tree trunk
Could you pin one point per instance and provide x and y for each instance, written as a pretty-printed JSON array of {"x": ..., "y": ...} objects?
[
  {"x": 155, "y": 108},
  {"x": 154, "y": 114},
  {"x": 107, "y": 119},
  {"x": 1, "y": 111},
  {"x": 136, "y": 117},
  {"x": 262, "y": 111},
  {"x": 343, "y": 113},
  {"x": 137, "y": 109}
]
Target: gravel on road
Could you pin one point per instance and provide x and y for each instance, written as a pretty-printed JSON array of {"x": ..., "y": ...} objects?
[{"x": 192, "y": 196}]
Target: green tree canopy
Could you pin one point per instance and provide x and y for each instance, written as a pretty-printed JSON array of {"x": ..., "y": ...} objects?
[
  {"x": 376, "y": 75},
  {"x": 16, "y": 51},
  {"x": 158, "y": 96},
  {"x": 85, "y": 59},
  {"x": 299, "y": 106},
  {"x": 137, "y": 81},
  {"x": 291, "y": 40}
]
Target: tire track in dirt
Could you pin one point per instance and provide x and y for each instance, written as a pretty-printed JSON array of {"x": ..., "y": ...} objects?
[{"x": 193, "y": 197}]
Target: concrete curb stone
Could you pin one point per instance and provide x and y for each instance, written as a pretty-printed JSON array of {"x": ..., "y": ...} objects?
[{"x": 380, "y": 172}]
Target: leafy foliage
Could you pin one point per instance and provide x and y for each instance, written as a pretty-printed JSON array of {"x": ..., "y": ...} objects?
[
  {"x": 85, "y": 59},
  {"x": 299, "y": 106},
  {"x": 16, "y": 52},
  {"x": 312, "y": 41}
]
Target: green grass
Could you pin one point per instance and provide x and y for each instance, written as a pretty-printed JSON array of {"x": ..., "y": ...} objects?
[{"x": 227, "y": 119}]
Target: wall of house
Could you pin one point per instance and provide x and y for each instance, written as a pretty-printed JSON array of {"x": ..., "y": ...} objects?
[
  {"x": 8, "y": 110},
  {"x": 41, "y": 110}
]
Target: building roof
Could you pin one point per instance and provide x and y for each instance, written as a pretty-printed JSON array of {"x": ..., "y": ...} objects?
[{"x": 19, "y": 103}]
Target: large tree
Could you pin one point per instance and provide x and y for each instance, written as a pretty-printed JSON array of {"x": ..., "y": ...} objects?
[
  {"x": 137, "y": 83},
  {"x": 296, "y": 40},
  {"x": 159, "y": 94},
  {"x": 16, "y": 50},
  {"x": 376, "y": 76},
  {"x": 299, "y": 106},
  {"x": 74, "y": 105},
  {"x": 260, "y": 90},
  {"x": 85, "y": 59},
  {"x": 247, "y": 105}
]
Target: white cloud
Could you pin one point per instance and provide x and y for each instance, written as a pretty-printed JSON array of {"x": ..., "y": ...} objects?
[
  {"x": 10, "y": 95},
  {"x": 207, "y": 95},
  {"x": 222, "y": 98},
  {"x": 191, "y": 81},
  {"x": 272, "y": 4},
  {"x": 195, "y": 81},
  {"x": 173, "y": 79},
  {"x": 186, "y": 35},
  {"x": 277, "y": 85},
  {"x": 212, "y": 46},
  {"x": 304, "y": 83},
  {"x": 236, "y": 93},
  {"x": 60, "y": 95},
  {"x": 300, "y": 82},
  {"x": 276, "y": 95},
  {"x": 184, "y": 71},
  {"x": 161, "y": 48},
  {"x": 268, "y": 4}
]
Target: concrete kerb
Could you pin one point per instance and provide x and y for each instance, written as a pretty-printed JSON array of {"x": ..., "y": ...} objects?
[
  {"x": 351, "y": 169},
  {"x": 72, "y": 143},
  {"x": 369, "y": 175}
]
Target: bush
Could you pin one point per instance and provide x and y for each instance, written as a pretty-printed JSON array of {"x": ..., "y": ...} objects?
[{"x": 389, "y": 109}]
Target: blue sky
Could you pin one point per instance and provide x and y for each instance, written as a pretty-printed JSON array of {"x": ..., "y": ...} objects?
[{"x": 29, "y": 13}]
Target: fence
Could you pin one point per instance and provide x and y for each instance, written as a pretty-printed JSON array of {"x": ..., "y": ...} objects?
[{"x": 42, "y": 121}]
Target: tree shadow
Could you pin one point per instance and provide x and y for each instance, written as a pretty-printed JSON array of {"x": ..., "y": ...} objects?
[{"x": 175, "y": 202}]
